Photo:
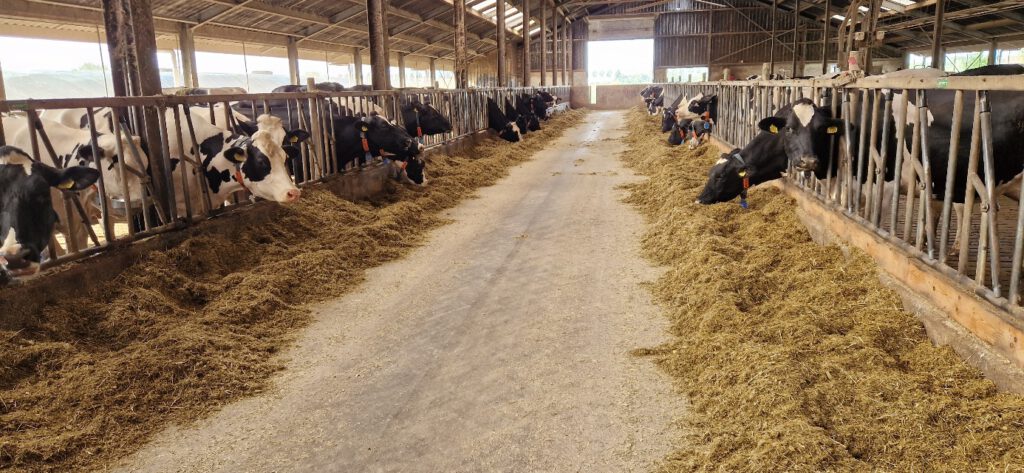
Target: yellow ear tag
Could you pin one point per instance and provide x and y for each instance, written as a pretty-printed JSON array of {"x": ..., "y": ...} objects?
[
  {"x": 773, "y": 129},
  {"x": 66, "y": 184},
  {"x": 743, "y": 173},
  {"x": 240, "y": 157},
  {"x": 365, "y": 128},
  {"x": 295, "y": 139},
  {"x": 832, "y": 130}
]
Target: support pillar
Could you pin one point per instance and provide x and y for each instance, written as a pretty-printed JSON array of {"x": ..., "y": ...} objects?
[
  {"x": 502, "y": 50},
  {"x": 401, "y": 70},
  {"x": 187, "y": 46},
  {"x": 824, "y": 37},
  {"x": 526, "y": 43},
  {"x": 543, "y": 42},
  {"x": 771, "y": 40},
  {"x": 565, "y": 52},
  {"x": 993, "y": 47},
  {"x": 461, "y": 62},
  {"x": 937, "y": 56},
  {"x": 376, "y": 10},
  {"x": 796, "y": 42},
  {"x": 554, "y": 48},
  {"x": 293, "y": 61},
  {"x": 131, "y": 40},
  {"x": 113, "y": 19},
  {"x": 357, "y": 62},
  {"x": 433, "y": 73}
]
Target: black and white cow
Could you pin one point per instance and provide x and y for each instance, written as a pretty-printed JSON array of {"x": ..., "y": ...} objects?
[
  {"x": 73, "y": 147},
  {"x": 524, "y": 105},
  {"x": 496, "y": 120},
  {"x": 422, "y": 119},
  {"x": 763, "y": 159},
  {"x": 359, "y": 139},
  {"x": 513, "y": 115},
  {"x": 680, "y": 130},
  {"x": 230, "y": 161},
  {"x": 668, "y": 114},
  {"x": 704, "y": 106},
  {"x": 27, "y": 216},
  {"x": 806, "y": 132},
  {"x": 1007, "y": 119},
  {"x": 543, "y": 100}
]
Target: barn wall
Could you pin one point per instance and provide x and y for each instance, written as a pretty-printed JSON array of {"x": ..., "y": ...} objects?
[{"x": 710, "y": 36}]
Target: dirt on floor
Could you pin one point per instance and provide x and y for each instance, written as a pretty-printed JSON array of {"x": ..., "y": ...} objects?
[
  {"x": 186, "y": 330},
  {"x": 794, "y": 356}
]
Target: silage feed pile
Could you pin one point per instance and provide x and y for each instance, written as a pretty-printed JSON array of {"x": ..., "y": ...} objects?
[
  {"x": 794, "y": 356},
  {"x": 186, "y": 330}
]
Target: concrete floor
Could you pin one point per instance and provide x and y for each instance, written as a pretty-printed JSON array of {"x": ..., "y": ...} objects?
[{"x": 500, "y": 345}]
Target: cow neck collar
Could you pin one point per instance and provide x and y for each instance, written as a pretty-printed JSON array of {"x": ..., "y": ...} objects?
[
  {"x": 363, "y": 127},
  {"x": 745, "y": 175},
  {"x": 241, "y": 141},
  {"x": 419, "y": 129}
]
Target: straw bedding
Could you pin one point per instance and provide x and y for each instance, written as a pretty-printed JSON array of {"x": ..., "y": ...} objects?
[
  {"x": 794, "y": 356},
  {"x": 186, "y": 330}
]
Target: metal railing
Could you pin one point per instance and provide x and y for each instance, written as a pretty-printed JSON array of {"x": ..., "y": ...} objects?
[
  {"x": 125, "y": 206},
  {"x": 884, "y": 143}
]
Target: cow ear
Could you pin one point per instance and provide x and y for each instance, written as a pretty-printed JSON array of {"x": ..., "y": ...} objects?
[
  {"x": 834, "y": 127},
  {"x": 246, "y": 128},
  {"x": 73, "y": 178},
  {"x": 295, "y": 137},
  {"x": 235, "y": 154},
  {"x": 85, "y": 153},
  {"x": 772, "y": 124}
]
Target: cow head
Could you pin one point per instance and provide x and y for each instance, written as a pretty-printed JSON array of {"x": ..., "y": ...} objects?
[
  {"x": 388, "y": 138},
  {"x": 426, "y": 118},
  {"x": 700, "y": 131},
  {"x": 260, "y": 160},
  {"x": 677, "y": 134},
  {"x": 118, "y": 186},
  {"x": 703, "y": 105},
  {"x": 27, "y": 217},
  {"x": 725, "y": 179},
  {"x": 805, "y": 131},
  {"x": 415, "y": 170},
  {"x": 510, "y": 132}
]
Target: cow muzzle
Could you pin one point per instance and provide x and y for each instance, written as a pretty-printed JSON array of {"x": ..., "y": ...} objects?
[
  {"x": 807, "y": 163},
  {"x": 17, "y": 265}
]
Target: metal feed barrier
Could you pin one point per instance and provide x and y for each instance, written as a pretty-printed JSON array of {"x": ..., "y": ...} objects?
[
  {"x": 988, "y": 256},
  {"x": 99, "y": 219}
]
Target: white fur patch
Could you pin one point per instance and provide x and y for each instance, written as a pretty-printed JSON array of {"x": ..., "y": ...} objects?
[
  {"x": 15, "y": 158},
  {"x": 804, "y": 112},
  {"x": 10, "y": 245}
]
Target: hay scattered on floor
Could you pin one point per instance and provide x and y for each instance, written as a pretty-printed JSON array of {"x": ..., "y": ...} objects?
[
  {"x": 189, "y": 329},
  {"x": 794, "y": 356}
]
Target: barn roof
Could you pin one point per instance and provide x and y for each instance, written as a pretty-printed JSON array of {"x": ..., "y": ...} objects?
[{"x": 425, "y": 27}]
